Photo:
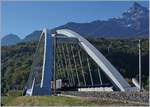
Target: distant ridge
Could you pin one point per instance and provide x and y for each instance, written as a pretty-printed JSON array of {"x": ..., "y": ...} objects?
[
  {"x": 10, "y": 39},
  {"x": 134, "y": 22},
  {"x": 34, "y": 36}
]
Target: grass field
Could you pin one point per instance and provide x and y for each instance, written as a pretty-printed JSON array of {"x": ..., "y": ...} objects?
[{"x": 59, "y": 101}]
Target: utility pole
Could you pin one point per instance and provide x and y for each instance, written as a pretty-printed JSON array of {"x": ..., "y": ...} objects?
[
  {"x": 140, "y": 84},
  {"x": 109, "y": 47}
]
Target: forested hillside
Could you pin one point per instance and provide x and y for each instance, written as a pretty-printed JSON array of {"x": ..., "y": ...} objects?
[
  {"x": 123, "y": 53},
  {"x": 16, "y": 65}
]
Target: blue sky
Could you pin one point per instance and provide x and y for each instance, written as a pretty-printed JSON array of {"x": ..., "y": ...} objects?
[{"x": 22, "y": 18}]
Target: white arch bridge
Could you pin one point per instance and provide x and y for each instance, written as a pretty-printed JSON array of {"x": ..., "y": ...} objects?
[{"x": 65, "y": 55}]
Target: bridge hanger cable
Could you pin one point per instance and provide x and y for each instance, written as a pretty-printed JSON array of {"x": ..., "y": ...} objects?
[
  {"x": 98, "y": 69},
  {"x": 65, "y": 61},
  {"x": 80, "y": 60},
  {"x": 77, "y": 75},
  {"x": 59, "y": 71},
  {"x": 70, "y": 64},
  {"x": 61, "y": 61},
  {"x": 99, "y": 74},
  {"x": 89, "y": 70},
  {"x": 33, "y": 72},
  {"x": 59, "y": 65}
]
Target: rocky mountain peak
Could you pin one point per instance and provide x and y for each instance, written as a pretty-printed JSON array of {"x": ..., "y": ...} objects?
[{"x": 136, "y": 11}]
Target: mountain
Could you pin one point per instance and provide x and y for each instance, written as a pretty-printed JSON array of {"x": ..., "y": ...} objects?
[
  {"x": 10, "y": 39},
  {"x": 137, "y": 18},
  {"x": 132, "y": 23},
  {"x": 34, "y": 36}
]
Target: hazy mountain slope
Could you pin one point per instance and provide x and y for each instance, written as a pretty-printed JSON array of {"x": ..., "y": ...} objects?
[
  {"x": 10, "y": 39},
  {"x": 133, "y": 23},
  {"x": 34, "y": 36}
]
